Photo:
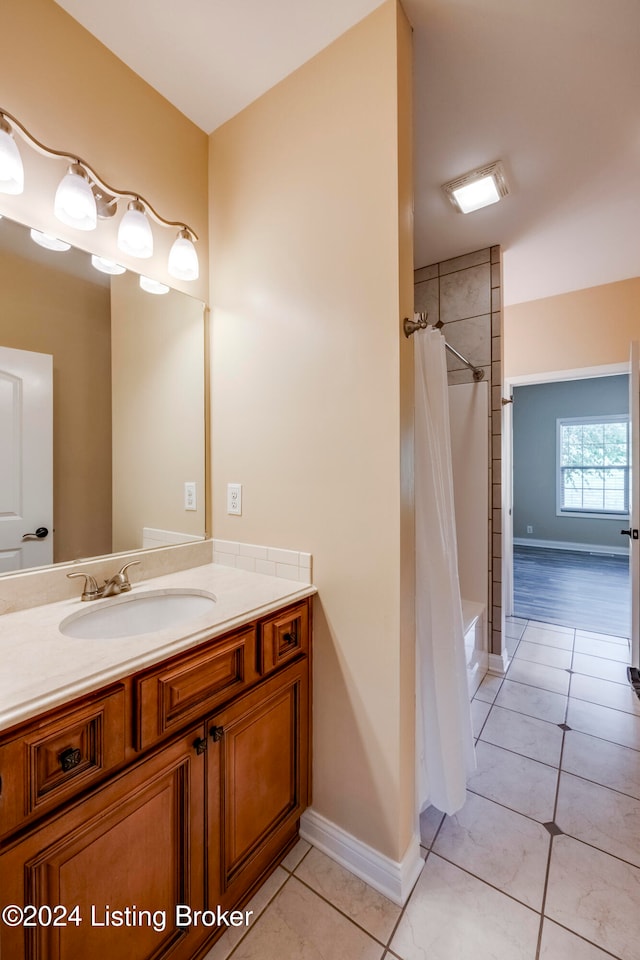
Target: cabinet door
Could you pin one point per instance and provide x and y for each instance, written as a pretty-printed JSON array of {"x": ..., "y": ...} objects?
[
  {"x": 132, "y": 846},
  {"x": 257, "y": 782}
]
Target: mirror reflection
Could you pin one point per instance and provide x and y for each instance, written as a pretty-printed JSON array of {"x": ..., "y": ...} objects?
[{"x": 110, "y": 456}]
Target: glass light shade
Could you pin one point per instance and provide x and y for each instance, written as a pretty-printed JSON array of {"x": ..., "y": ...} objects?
[
  {"x": 106, "y": 266},
  {"x": 48, "y": 242},
  {"x": 75, "y": 203},
  {"x": 11, "y": 169},
  {"x": 134, "y": 233},
  {"x": 475, "y": 195},
  {"x": 183, "y": 259},
  {"x": 153, "y": 286}
]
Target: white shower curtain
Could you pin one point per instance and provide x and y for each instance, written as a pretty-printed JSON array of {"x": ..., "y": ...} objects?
[{"x": 444, "y": 737}]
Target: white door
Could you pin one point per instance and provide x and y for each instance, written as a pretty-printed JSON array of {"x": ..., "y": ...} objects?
[
  {"x": 26, "y": 459},
  {"x": 634, "y": 500}
]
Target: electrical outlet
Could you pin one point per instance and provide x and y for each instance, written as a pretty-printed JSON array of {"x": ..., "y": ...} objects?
[
  {"x": 234, "y": 499},
  {"x": 529, "y": 528},
  {"x": 190, "y": 498}
]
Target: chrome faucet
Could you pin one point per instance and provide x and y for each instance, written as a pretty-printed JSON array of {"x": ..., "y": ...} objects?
[{"x": 118, "y": 583}]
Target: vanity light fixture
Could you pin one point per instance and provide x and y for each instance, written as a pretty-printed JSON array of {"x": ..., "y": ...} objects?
[
  {"x": 74, "y": 202},
  {"x": 106, "y": 266},
  {"x": 83, "y": 198},
  {"x": 48, "y": 242},
  {"x": 134, "y": 233},
  {"x": 153, "y": 286},
  {"x": 478, "y": 188},
  {"x": 183, "y": 259},
  {"x": 11, "y": 169}
]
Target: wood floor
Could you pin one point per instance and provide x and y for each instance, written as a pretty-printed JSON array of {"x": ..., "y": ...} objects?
[{"x": 584, "y": 590}]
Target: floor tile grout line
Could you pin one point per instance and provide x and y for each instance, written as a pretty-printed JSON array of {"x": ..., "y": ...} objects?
[
  {"x": 259, "y": 917},
  {"x": 499, "y": 746},
  {"x": 616, "y": 743},
  {"x": 384, "y": 944},
  {"x": 526, "y": 683},
  {"x": 545, "y": 887},
  {"x": 551, "y": 723},
  {"x": 487, "y": 883},
  {"x": 593, "y": 846},
  {"x": 579, "y": 936},
  {"x": 504, "y": 806},
  {"x": 408, "y": 900},
  {"x": 629, "y": 713},
  {"x": 596, "y": 783},
  {"x": 586, "y": 733}
]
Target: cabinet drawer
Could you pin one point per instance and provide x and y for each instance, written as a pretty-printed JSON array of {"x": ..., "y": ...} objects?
[
  {"x": 283, "y": 637},
  {"x": 192, "y": 685},
  {"x": 61, "y": 755}
]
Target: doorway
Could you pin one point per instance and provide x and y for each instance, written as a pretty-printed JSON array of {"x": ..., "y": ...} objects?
[{"x": 567, "y": 496}]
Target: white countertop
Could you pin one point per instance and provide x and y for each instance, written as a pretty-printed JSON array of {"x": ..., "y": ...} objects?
[{"x": 40, "y": 668}]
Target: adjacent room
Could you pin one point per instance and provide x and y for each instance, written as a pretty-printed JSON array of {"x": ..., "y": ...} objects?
[{"x": 571, "y": 502}]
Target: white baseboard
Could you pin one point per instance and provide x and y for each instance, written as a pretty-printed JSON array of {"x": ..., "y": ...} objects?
[
  {"x": 498, "y": 663},
  {"x": 565, "y": 545},
  {"x": 394, "y": 880}
]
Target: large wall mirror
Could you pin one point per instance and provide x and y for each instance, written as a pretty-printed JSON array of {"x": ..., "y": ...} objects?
[{"x": 127, "y": 408}]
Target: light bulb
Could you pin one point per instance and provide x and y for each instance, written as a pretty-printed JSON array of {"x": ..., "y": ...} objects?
[
  {"x": 75, "y": 203},
  {"x": 134, "y": 233},
  {"x": 11, "y": 169},
  {"x": 106, "y": 266},
  {"x": 183, "y": 259},
  {"x": 153, "y": 286}
]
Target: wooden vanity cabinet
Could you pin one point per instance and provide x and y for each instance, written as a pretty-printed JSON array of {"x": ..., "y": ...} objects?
[
  {"x": 257, "y": 781},
  {"x": 197, "y": 818},
  {"x": 134, "y": 842}
]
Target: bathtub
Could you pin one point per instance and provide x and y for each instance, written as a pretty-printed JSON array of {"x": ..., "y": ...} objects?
[{"x": 475, "y": 643}]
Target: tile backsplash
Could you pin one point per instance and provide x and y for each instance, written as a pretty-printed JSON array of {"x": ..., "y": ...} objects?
[{"x": 290, "y": 564}]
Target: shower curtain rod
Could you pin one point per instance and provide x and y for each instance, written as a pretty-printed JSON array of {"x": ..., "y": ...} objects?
[{"x": 410, "y": 327}]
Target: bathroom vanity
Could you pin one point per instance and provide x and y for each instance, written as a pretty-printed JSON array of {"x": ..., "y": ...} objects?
[{"x": 138, "y": 816}]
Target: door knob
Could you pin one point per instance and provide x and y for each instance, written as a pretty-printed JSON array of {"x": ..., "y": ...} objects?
[
  {"x": 631, "y": 532},
  {"x": 40, "y": 534}
]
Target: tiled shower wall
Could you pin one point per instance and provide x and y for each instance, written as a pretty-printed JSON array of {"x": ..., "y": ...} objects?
[{"x": 466, "y": 295}]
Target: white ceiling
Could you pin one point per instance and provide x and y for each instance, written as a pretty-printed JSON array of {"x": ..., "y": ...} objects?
[{"x": 551, "y": 87}]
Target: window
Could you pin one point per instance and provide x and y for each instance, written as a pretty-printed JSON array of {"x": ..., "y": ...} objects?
[{"x": 593, "y": 466}]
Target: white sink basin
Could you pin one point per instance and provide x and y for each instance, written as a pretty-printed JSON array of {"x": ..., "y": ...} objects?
[{"x": 138, "y": 613}]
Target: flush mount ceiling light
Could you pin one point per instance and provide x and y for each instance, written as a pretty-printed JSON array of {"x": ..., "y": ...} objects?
[
  {"x": 48, "y": 242},
  {"x": 478, "y": 188},
  {"x": 153, "y": 286},
  {"x": 83, "y": 198}
]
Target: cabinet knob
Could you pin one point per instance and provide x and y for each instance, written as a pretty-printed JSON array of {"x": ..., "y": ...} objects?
[
  {"x": 200, "y": 745},
  {"x": 216, "y": 733},
  {"x": 290, "y": 638},
  {"x": 70, "y": 758}
]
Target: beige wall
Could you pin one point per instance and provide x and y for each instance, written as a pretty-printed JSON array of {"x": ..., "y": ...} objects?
[
  {"x": 585, "y": 328},
  {"x": 74, "y": 94},
  {"x": 48, "y": 311},
  {"x": 158, "y": 411},
  {"x": 310, "y": 204}
]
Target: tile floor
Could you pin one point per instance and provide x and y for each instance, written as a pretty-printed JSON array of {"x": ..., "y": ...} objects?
[{"x": 542, "y": 862}]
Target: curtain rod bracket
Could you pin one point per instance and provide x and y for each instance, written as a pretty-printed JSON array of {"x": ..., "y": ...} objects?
[{"x": 410, "y": 327}]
